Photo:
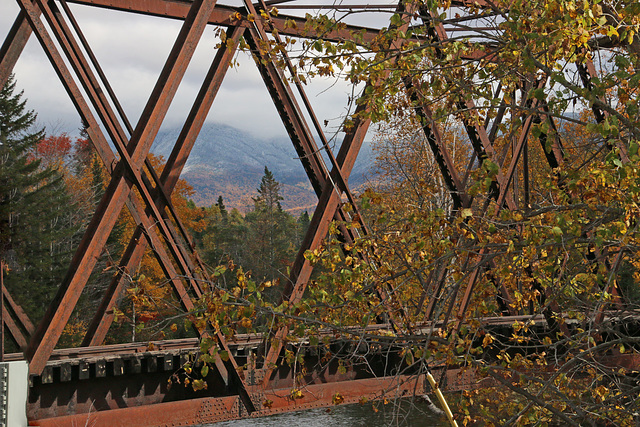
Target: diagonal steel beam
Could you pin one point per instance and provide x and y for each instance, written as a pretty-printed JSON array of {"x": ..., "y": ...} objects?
[
  {"x": 117, "y": 134},
  {"x": 104, "y": 150},
  {"x": 295, "y": 124},
  {"x": 91, "y": 84},
  {"x": 108, "y": 157},
  {"x": 328, "y": 203},
  {"x": 587, "y": 73},
  {"x": 47, "y": 335},
  {"x": 440, "y": 152},
  {"x": 477, "y": 132},
  {"x": 25, "y": 322},
  {"x": 556, "y": 157},
  {"x": 15, "y": 319},
  {"x": 340, "y": 181},
  {"x": 13, "y": 46},
  {"x": 165, "y": 200},
  {"x": 318, "y": 229},
  {"x": 290, "y": 112},
  {"x": 103, "y": 318},
  {"x": 502, "y": 196},
  {"x": 14, "y": 330}
]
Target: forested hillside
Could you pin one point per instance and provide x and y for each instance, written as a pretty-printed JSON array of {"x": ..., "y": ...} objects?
[
  {"x": 228, "y": 162},
  {"x": 50, "y": 186}
]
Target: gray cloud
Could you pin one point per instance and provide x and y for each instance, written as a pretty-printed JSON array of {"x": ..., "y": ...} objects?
[{"x": 132, "y": 50}]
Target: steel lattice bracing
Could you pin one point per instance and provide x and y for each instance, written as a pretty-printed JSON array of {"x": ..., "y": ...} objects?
[{"x": 61, "y": 38}]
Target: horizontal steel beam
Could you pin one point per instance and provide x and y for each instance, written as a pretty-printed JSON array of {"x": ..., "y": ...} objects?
[
  {"x": 212, "y": 409},
  {"x": 221, "y": 15}
]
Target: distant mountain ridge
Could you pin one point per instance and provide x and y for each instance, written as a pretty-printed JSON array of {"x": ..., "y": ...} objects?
[{"x": 228, "y": 162}]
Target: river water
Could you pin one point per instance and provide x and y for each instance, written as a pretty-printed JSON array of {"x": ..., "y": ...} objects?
[{"x": 400, "y": 413}]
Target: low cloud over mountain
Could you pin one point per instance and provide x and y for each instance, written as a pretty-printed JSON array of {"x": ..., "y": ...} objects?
[{"x": 228, "y": 162}]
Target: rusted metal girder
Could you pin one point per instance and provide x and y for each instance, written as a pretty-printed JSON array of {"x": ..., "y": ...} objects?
[
  {"x": 101, "y": 143},
  {"x": 440, "y": 152},
  {"x": 328, "y": 203},
  {"x": 103, "y": 149},
  {"x": 16, "y": 320},
  {"x": 164, "y": 196},
  {"x": 212, "y": 409},
  {"x": 13, "y": 45},
  {"x": 588, "y": 72},
  {"x": 477, "y": 132},
  {"x": 47, "y": 334},
  {"x": 133, "y": 255},
  {"x": 90, "y": 83},
  {"x": 116, "y": 133},
  {"x": 295, "y": 123}
]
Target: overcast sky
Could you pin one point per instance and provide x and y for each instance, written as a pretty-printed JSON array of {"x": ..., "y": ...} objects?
[{"x": 132, "y": 49}]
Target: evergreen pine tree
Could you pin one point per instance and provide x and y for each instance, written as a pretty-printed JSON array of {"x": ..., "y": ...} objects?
[
  {"x": 270, "y": 246},
  {"x": 303, "y": 224},
  {"x": 269, "y": 196},
  {"x": 82, "y": 151},
  {"x": 223, "y": 209},
  {"x": 34, "y": 209}
]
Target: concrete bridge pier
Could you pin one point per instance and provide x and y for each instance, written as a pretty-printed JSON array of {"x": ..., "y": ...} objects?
[{"x": 14, "y": 386}]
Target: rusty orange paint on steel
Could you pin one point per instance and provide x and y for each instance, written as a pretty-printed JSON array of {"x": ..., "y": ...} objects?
[{"x": 209, "y": 410}]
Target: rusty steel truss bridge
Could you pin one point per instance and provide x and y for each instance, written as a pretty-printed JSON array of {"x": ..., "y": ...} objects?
[{"x": 126, "y": 384}]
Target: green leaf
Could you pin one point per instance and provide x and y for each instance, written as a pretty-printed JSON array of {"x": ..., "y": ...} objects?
[
  {"x": 538, "y": 94},
  {"x": 396, "y": 20}
]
